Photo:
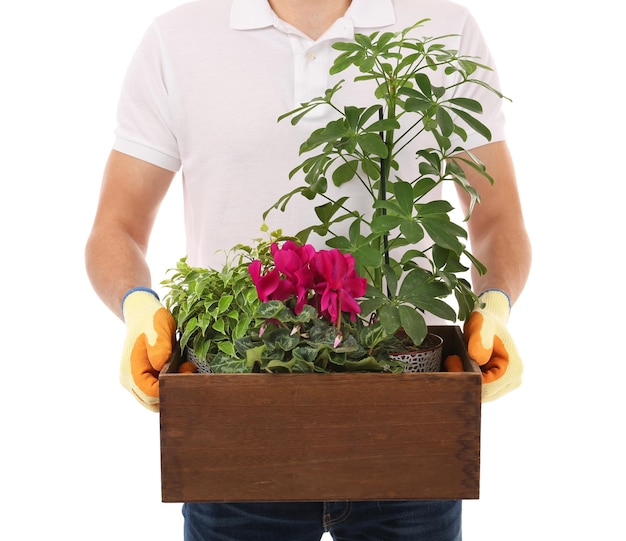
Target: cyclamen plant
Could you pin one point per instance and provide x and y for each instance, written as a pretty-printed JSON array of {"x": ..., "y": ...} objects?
[
  {"x": 310, "y": 305},
  {"x": 283, "y": 307},
  {"x": 326, "y": 280}
]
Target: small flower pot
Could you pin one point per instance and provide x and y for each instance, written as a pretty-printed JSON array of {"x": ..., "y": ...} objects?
[
  {"x": 202, "y": 365},
  {"x": 426, "y": 358}
]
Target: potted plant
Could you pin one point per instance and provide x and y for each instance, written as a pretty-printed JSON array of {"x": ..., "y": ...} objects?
[
  {"x": 219, "y": 312},
  {"x": 273, "y": 308},
  {"x": 361, "y": 147},
  {"x": 232, "y": 437}
]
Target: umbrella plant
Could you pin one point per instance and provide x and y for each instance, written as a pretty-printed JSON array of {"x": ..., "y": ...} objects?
[{"x": 361, "y": 145}]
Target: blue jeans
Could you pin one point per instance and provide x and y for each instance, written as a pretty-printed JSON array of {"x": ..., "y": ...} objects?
[{"x": 346, "y": 521}]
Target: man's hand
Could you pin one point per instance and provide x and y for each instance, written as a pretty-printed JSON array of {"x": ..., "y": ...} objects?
[
  {"x": 491, "y": 346},
  {"x": 150, "y": 336}
]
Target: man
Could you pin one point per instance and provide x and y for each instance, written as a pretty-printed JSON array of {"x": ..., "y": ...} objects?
[{"x": 203, "y": 94}]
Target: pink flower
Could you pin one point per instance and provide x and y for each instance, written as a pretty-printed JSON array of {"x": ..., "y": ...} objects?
[
  {"x": 269, "y": 286},
  {"x": 300, "y": 271},
  {"x": 294, "y": 263},
  {"x": 340, "y": 285}
]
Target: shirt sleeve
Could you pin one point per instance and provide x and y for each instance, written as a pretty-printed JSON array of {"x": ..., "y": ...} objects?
[{"x": 144, "y": 116}]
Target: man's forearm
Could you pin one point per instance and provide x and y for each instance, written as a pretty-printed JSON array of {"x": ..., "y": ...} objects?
[
  {"x": 114, "y": 265},
  {"x": 507, "y": 254}
]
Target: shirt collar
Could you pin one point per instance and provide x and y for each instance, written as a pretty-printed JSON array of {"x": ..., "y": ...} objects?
[{"x": 252, "y": 14}]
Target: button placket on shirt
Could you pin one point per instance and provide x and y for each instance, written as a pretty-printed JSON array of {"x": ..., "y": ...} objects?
[
  {"x": 312, "y": 61},
  {"x": 311, "y": 69}
]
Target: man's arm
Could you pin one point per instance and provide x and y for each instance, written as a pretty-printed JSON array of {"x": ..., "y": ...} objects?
[
  {"x": 496, "y": 228},
  {"x": 132, "y": 191}
]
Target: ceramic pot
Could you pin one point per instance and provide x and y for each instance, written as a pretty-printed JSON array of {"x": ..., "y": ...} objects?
[{"x": 424, "y": 359}]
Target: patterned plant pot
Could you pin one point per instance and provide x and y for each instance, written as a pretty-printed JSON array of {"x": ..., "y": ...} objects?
[
  {"x": 425, "y": 359},
  {"x": 202, "y": 365}
]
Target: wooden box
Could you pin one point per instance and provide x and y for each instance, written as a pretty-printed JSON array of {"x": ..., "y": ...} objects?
[{"x": 322, "y": 437}]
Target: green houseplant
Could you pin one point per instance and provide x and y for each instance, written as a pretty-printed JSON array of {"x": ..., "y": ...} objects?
[
  {"x": 272, "y": 309},
  {"x": 361, "y": 146},
  {"x": 224, "y": 316}
]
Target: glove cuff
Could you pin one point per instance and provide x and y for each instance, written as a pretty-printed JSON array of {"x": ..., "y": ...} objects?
[
  {"x": 497, "y": 302},
  {"x": 136, "y": 294}
]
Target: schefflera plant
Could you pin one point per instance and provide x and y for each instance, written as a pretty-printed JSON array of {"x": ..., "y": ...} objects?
[{"x": 362, "y": 144}]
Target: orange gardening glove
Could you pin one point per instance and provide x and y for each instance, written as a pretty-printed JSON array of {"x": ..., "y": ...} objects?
[
  {"x": 150, "y": 336},
  {"x": 491, "y": 346}
]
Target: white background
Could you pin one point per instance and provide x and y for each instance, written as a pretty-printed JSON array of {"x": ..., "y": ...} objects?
[{"x": 80, "y": 459}]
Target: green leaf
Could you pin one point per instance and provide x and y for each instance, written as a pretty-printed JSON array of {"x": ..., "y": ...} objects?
[
  {"x": 270, "y": 309},
  {"x": 383, "y": 125},
  {"x": 446, "y": 124},
  {"x": 444, "y": 232},
  {"x": 341, "y": 243},
  {"x": 439, "y": 206},
  {"x": 227, "y": 347},
  {"x": 423, "y": 82},
  {"x": 423, "y": 186},
  {"x": 242, "y": 327},
  {"x": 224, "y": 303},
  {"x": 326, "y": 213},
  {"x": 367, "y": 256},
  {"x": 389, "y": 317},
  {"x": 436, "y": 307},
  {"x": 219, "y": 325},
  {"x": 476, "y": 263},
  {"x": 474, "y": 123},
  {"x": 283, "y": 365},
  {"x": 413, "y": 324},
  {"x": 368, "y": 364},
  {"x": 369, "y": 306},
  {"x": 371, "y": 168},
  {"x": 345, "y": 172},
  {"x": 413, "y": 281},
  {"x": 417, "y": 105},
  {"x": 385, "y": 223},
  {"x": 403, "y": 192},
  {"x": 412, "y": 230},
  {"x": 467, "y": 103},
  {"x": 371, "y": 143},
  {"x": 254, "y": 355},
  {"x": 390, "y": 278},
  {"x": 225, "y": 364},
  {"x": 372, "y": 335}
]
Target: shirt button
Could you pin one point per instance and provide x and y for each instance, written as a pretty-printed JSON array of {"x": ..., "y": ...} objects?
[{"x": 310, "y": 57}]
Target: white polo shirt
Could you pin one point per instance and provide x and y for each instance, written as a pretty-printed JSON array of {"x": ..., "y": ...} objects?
[{"x": 211, "y": 77}]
